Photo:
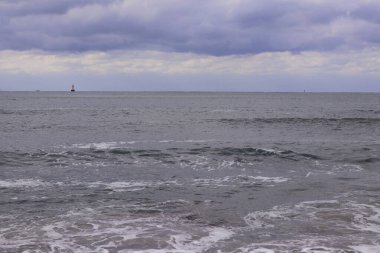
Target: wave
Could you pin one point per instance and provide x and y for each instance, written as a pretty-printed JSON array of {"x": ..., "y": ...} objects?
[
  {"x": 26, "y": 112},
  {"x": 296, "y": 120},
  {"x": 100, "y": 230},
  {"x": 311, "y": 226},
  {"x": 121, "y": 186},
  {"x": 111, "y": 153},
  {"x": 238, "y": 180},
  {"x": 368, "y": 111},
  {"x": 138, "y": 185},
  {"x": 98, "y": 187},
  {"x": 23, "y": 183},
  {"x": 321, "y": 223},
  {"x": 246, "y": 152},
  {"x": 340, "y": 215},
  {"x": 368, "y": 160}
]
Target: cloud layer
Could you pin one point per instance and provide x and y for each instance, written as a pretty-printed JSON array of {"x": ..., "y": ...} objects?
[
  {"x": 213, "y": 27},
  {"x": 363, "y": 62}
]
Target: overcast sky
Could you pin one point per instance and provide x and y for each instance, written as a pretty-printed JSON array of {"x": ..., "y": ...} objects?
[{"x": 230, "y": 45}]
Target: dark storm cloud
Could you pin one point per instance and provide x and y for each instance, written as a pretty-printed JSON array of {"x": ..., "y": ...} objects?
[{"x": 208, "y": 27}]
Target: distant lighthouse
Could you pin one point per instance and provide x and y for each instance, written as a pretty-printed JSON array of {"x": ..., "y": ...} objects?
[{"x": 72, "y": 88}]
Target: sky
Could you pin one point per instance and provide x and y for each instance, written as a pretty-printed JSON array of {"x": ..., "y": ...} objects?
[{"x": 190, "y": 45}]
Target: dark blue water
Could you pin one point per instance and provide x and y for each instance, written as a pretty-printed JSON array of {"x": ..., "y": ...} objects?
[{"x": 189, "y": 172}]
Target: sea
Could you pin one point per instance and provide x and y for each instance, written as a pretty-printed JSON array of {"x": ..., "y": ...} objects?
[{"x": 181, "y": 172}]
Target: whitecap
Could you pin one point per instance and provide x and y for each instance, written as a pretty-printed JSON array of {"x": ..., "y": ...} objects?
[
  {"x": 348, "y": 168},
  {"x": 239, "y": 179},
  {"x": 271, "y": 179},
  {"x": 23, "y": 183},
  {"x": 120, "y": 186},
  {"x": 102, "y": 145}
]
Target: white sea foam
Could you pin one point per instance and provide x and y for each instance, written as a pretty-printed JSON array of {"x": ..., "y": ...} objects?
[
  {"x": 120, "y": 186},
  {"x": 184, "y": 242},
  {"x": 366, "y": 248},
  {"x": 314, "y": 244},
  {"x": 260, "y": 250},
  {"x": 346, "y": 168},
  {"x": 271, "y": 179},
  {"x": 253, "y": 248},
  {"x": 196, "y": 162},
  {"x": 320, "y": 249},
  {"x": 266, "y": 219},
  {"x": 102, "y": 145},
  {"x": 206, "y": 163},
  {"x": 367, "y": 217},
  {"x": 120, "y": 144},
  {"x": 338, "y": 216},
  {"x": 166, "y": 141},
  {"x": 333, "y": 169},
  {"x": 117, "y": 186},
  {"x": 270, "y": 150},
  {"x": 91, "y": 230},
  {"x": 23, "y": 183},
  {"x": 239, "y": 179}
]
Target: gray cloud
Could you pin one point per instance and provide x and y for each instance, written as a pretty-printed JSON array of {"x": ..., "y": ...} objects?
[{"x": 209, "y": 27}]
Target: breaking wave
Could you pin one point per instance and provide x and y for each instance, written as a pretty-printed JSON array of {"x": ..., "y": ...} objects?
[{"x": 112, "y": 152}]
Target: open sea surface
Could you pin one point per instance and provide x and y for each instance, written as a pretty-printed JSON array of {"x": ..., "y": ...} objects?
[{"x": 189, "y": 172}]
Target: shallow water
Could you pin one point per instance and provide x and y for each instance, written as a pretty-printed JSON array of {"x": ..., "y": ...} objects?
[{"x": 189, "y": 172}]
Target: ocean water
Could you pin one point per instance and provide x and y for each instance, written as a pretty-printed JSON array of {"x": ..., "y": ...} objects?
[{"x": 189, "y": 172}]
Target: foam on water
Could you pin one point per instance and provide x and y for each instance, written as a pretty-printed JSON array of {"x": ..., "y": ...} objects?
[
  {"x": 116, "y": 144},
  {"x": 367, "y": 217},
  {"x": 103, "y": 145},
  {"x": 332, "y": 220},
  {"x": 196, "y": 162},
  {"x": 121, "y": 186},
  {"x": 347, "y": 168},
  {"x": 185, "y": 242},
  {"x": 348, "y": 215},
  {"x": 270, "y": 179},
  {"x": 23, "y": 183},
  {"x": 91, "y": 230},
  {"x": 367, "y": 248},
  {"x": 239, "y": 179},
  {"x": 265, "y": 219},
  {"x": 117, "y": 186},
  {"x": 305, "y": 246},
  {"x": 256, "y": 250}
]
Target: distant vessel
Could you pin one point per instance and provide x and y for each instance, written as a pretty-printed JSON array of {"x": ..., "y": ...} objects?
[{"x": 72, "y": 88}]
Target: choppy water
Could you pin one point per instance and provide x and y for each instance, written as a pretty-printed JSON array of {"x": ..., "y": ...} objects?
[{"x": 189, "y": 172}]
